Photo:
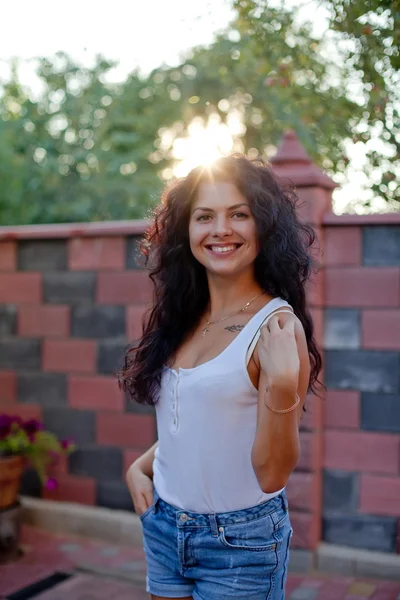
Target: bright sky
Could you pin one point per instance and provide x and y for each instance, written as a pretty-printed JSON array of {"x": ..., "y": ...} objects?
[{"x": 138, "y": 34}]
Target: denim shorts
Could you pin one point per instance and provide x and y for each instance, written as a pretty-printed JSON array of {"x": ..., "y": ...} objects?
[{"x": 242, "y": 554}]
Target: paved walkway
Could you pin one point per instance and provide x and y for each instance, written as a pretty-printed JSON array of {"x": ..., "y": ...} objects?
[{"x": 101, "y": 571}]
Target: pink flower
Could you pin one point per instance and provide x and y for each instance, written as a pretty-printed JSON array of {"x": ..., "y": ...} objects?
[{"x": 51, "y": 484}]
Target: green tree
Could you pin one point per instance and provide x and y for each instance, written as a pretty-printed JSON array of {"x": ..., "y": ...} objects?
[{"x": 90, "y": 150}]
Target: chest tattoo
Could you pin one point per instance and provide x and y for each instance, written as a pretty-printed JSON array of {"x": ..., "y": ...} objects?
[{"x": 234, "y": 328}]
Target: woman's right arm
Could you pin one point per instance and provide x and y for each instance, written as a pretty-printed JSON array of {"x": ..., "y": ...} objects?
[{"x": 139, "y": 478}]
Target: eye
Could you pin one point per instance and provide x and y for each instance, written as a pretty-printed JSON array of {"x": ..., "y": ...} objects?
[
  {"x": 240, "y": 215},
  {"x": 203, "y": 218}
]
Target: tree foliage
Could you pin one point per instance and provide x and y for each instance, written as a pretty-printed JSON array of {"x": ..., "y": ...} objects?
[{"x": 86, "y": 149}]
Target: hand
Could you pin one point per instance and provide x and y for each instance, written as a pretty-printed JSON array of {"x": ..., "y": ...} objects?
[
  {"x": 277, "y": 350},
  {"x": 141, "y": 489}
]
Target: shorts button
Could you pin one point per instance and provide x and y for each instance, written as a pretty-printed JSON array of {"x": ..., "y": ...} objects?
[
  {"x": 184, "y": 517},
  {"x": 220, "y": 529}
]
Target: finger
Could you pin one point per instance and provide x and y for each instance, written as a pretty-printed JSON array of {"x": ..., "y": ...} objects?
[
  {"x": 274, "y": 325},
  {"x": 289, "y": 325}
]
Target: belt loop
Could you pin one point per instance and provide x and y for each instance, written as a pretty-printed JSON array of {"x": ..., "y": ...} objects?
[
  {"x": 285, "y": 503},
  {"x": 213, "y": 524}
]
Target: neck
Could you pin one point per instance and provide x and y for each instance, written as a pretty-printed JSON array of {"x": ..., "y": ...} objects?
[{"x": 227, "y": 295}]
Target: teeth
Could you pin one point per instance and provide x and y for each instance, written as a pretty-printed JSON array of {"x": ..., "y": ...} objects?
[{"x": 222, "y": 249}]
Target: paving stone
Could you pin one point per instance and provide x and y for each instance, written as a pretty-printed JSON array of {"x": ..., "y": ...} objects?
[
  {"x": 42, "y": 255},
  {"x": 365, "y": 370},
  {"x": 109, "y": 551},
  {"x": 304, "y": 593},
  {"x": 70, "y": 548}
]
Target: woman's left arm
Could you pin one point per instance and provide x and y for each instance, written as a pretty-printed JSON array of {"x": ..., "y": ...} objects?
[{"x": 285, "y": 372}]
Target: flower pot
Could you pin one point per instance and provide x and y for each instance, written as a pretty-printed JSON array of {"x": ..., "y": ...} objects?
[{"x": 11, "y": 469}]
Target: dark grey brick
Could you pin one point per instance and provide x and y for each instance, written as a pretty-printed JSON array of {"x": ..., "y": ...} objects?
[
  {"x": 134, "y": 407},
  {"x": 340, "y": 491},
  {"x": 17, "y": 353},
  {"x": 342, "y": 329},
  {"x": 381, "y": 245},
  {"x": 69, "y": 287},
  {"x": 30, "y": 484},
  {"x": 100, "y": 462},
  {"x": 98, "y": 321},
  {"x": 42, "y": 255},
  {"x": 78, "y": 425},
  {"x": 380, "y": 412},
  {"x": 47, "y": 389},
  {"x": 8, "y": 319},
  {"x": 110, "y": 355},
  {"x": 134, "y": 258},
  {"x": 360, "y": 531},
  {"x": 113, "y": 494},
  {"x": 365, "y": 370}
]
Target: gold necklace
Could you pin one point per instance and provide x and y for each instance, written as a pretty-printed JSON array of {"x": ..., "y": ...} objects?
[{"x": 207, "y": 326}]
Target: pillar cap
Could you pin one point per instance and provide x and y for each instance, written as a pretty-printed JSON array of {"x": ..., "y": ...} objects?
[{"x": 291, "y": 161}]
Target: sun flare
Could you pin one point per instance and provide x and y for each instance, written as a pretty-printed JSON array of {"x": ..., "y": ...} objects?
[{"x": 205, "y": 142}]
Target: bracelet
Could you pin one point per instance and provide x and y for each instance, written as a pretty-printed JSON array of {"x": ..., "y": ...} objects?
[{"x": 282, "y": 411}]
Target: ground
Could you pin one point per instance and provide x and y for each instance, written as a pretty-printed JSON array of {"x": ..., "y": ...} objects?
[{"x": 101, "y": 571}]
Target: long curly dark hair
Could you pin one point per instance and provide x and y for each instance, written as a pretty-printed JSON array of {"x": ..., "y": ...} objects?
[{"x": 181, "y": 295}]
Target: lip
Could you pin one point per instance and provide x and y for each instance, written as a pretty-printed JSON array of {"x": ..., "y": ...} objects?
[{"x": 209, "y": 249}]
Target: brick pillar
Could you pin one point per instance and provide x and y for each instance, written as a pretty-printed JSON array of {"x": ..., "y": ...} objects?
[{"x": 314, "y": 188}]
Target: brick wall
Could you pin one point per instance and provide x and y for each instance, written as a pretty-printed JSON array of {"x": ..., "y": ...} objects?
[
  {"x": 68, "y": 305},
  {"x": 361, "y": 443},
  {"x": 71, "y": 297}
]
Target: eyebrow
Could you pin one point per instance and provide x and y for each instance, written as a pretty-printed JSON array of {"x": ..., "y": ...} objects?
[{"x": 230, "y": 207}]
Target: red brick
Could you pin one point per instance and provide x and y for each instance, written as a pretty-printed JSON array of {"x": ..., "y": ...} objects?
[
  {"x": 302, "y": 491},
  {"x": 21, "y": 287},
  {"x": 73, "y": 489},
  {"x": 129, "y": 457},
  {"x": 95, "y": 393},
  {"x": 69, "y": 356},
  {"x": 134, "y": 317},
  {"x": 381, "y": 329},
  {"x": 315, "y": 290},
  {"x": 362, "y": 286},
  {"x": 317, "y": 316},
  {"x": 8, "y": 387},
  {"x": 361, "y": 451},
  {"x": 380, "y": 495},
  {"x": 309, "y": 458},
  {"x": 8, "y": 256},
  {"x": 101, "y": 253},
  {"x": 342, "y": 409},
  {"x": 25, "y": 411},
  {"x": 43, "y": 320},
  {"x": 130, "y": 287},
  {"x": 310, "y": 417},
  {"x": 129, "y": 430},
  {"x": 342, "y": 246},
  {"x": 305, "y": 530}
]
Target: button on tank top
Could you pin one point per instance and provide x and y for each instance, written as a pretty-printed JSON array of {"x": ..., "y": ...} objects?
[{"x": 206, "y": 422}]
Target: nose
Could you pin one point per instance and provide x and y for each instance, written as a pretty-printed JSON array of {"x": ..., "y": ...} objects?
[{"x": 221, "y": 227}]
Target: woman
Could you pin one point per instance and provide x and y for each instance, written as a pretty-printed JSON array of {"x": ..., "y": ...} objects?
[{"x": 227, "y": 357}]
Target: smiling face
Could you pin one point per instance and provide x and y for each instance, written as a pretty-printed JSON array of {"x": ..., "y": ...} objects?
[{"x": 222, "y": 230}]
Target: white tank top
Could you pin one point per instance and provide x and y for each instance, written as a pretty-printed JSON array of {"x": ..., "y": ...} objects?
[{"x": 206, "y": 422}]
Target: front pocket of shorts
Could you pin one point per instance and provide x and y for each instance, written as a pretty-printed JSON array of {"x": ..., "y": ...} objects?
[
  {"x": 146, "y": 512},
  {"x": 230, "y": 540}
]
